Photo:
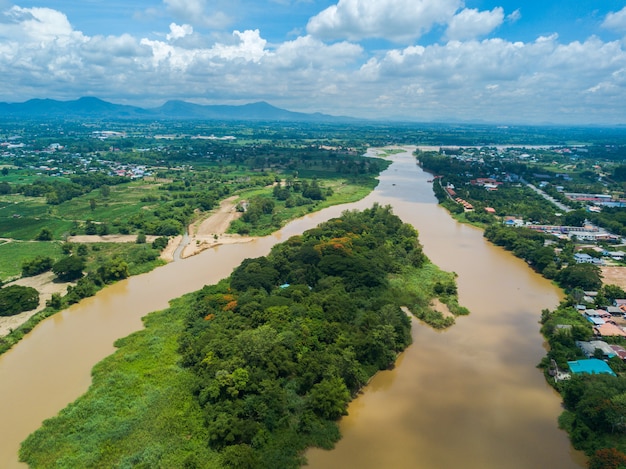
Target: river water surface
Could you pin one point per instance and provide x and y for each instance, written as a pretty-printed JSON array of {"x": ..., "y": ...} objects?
[{"x": 468, "y": 397}]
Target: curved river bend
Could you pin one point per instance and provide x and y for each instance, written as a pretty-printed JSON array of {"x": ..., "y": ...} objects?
[{"x": 468, "y": 397}]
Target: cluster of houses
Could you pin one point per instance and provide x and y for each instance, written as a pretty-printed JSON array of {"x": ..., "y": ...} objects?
[
  {"x": 604, "y": 321},
  {"x": 596, "y": 351}
]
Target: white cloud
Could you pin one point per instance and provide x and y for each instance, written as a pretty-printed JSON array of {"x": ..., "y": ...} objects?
[
  {"x": 36, "y": 24},
  {"x": 514, "y": 17},
  {"x": 471, "y": 23},
  {"x": 499, "y": 80},
  {"x": 179, "y": 31},
  {"x": 397, "y": 20},
  {"x": 307, "y": 52},
  {"x": 616, "y": 21},
  {"x": 42, "y": 55},
  {"x": 197, "y": 13}
]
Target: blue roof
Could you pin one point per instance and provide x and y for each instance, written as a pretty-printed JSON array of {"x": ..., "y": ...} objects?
[
  {"x": 596, "y": 321},
  {"x": 592, "y": 366}
]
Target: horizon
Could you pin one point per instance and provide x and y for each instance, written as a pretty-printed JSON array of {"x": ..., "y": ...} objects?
[
  {"x": 332, "y": 119},
  {"x": 478, "y": 61}
]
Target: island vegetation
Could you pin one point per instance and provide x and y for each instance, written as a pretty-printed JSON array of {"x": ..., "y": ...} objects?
[{"x": 250, "y": 372}]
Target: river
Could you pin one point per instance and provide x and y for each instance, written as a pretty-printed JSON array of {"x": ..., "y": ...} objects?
[{"x": 467, "y": 397}]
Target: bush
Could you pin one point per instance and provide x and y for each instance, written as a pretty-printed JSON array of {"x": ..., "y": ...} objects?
[
  {"x": 36, "y": 266},
  {"x": 69, "y": 268},
  {"x": 16, "y": 299},
  {"x": 44, "y": 235}
]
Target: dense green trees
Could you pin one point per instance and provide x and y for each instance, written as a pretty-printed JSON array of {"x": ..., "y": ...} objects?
[
  {"x": 585, "y": 276},
  {"x": 282, "y": 346},
  {"x": 69, "y": 268},
  {"x": 36, "y": 266},
  {"x": 15, "y": 299}
]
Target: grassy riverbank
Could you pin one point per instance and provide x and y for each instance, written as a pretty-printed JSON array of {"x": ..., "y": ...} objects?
[
  {"x": 140, "y": 259},
  {"x": 250, "y": 372}
]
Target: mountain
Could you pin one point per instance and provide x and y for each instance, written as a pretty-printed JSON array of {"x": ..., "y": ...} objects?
[{"x": 95, "y": 108}]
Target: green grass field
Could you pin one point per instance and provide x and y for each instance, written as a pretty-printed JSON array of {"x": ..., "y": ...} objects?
[
  {"x": 14, "y": 253},
  {"x": 138, "y": 411}
]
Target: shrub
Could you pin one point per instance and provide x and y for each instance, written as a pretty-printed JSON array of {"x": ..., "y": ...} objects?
[{"x": 16, "y": 299}]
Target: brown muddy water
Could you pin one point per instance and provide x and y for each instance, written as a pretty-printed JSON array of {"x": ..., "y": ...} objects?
[{"x": 468, "y": 397}]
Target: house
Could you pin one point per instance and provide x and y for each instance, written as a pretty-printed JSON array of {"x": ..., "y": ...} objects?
[
  {"x": 609, "y": 330},
  {"x": 614, "y": 311},
  {"x": 620, "y": 351},
  {"x": 589, "y": 348},
  {"x": 597, "y": 313},
  {"x": 591, "y": 366},
  {"x": 582, "y": 258}
]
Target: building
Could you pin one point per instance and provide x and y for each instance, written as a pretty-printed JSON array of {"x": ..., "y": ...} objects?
[
  {"x": 589, "y": 348},
  {"x": 592, "y": 366}
]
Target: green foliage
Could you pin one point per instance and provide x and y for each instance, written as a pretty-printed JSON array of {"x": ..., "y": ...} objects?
[
  {"x": 596, "y": 407},
  {"x": 113, "y": 270},
  {"x": 585, "y": 276},
  {"x": 138, "y": 412},
  {"x": 69, "y": 268},
  {"x": 14, "y": 253},
  {"x": 160, "y": 243},
  {"x": 15, "y": 299},
  {"x": 44, "y": 235},
  {"x": 329, "y": 398},
  {"x": 281, "y": 347},
  {"x": 266, "y": 369},
  {"x": 36, "y": 266}
]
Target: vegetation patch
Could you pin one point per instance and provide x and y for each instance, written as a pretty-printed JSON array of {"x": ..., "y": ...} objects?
[{"x": 250, "y": 372}]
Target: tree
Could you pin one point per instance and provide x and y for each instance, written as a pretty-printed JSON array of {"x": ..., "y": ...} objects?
[
  {"x": 55, "y": 301},
  {"x": 584, "y": 276},
  {"x": 36, "y": 266},
  {"x": 613, "y": 292},
  {"x": 69, "y": 268},
  {"x": 15, "y": 299},
  {"x": 329, "y": 398},
  {"x": 113, "y": 269},
  {"x": 607, "y": 458},
  {"x": 44, "y": 235},
  {"x": 141, "y": 238}
]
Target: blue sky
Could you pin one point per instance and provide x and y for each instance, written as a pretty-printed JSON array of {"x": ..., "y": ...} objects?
[{"x": 507, "y": 61}]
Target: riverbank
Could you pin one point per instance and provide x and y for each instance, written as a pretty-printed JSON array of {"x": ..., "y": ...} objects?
[
  {"x": 352, "y": 298},
  {"x": 474, "y": 384},
  {"x": 204, "y": 234}
]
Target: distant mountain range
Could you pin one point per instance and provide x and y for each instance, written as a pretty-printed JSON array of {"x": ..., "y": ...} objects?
[{"x": 95, "y": 108}]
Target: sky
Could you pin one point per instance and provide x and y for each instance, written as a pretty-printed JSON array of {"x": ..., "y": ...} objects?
[{"x": 493, "y": 61}]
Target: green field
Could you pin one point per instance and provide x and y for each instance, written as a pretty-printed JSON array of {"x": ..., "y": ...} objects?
[{"x": 12, "y": 255}]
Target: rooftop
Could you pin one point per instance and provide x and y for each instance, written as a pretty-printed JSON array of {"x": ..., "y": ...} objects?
[{"x": 591, "y": 366}]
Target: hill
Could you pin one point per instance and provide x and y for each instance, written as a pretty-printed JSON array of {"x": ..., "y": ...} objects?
[{"x": 95, "y": 108}]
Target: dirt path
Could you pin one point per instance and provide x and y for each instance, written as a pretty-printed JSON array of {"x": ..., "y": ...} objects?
[{"x": 211, "y": 231}]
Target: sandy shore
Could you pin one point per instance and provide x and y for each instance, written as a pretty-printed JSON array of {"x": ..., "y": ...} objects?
[
  {"x": 203, "y": 234},
  {"x": 211, "y": 231},
  {"x": 45, "y": 284}
]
